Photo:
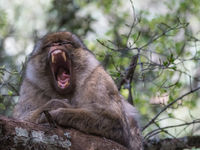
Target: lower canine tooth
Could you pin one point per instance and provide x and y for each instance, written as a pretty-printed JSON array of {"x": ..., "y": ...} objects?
[
  {"x": 61, "y": 85},
  {"x": 67, "y": 83}
]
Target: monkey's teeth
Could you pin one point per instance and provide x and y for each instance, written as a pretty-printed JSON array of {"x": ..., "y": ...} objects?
[
  {"x": 53, "y": 59},
  {"x": 66, "y": 84},
  {"x": 63, "y": 85},
  {"x": 64, "y": 56}
]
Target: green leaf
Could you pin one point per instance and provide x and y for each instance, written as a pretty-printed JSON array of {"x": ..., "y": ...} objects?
[
  {"x": 171, "y": 58},
  {"x": 174, "y": 68},
  {"x": 170, "y": 115},
  {"x": 178, "y": 84},
  {"x": 10, "y": 93},
  {"x": 165, "y": 63},
  {"x": 2, "y": 67},
  {"x": 2, "y": 106}
]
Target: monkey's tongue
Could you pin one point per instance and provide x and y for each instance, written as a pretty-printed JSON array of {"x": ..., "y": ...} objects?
[{"x": 63, "y": 78}]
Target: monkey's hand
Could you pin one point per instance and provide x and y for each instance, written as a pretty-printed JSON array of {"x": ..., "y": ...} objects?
[{"x": 51, "y": 105}]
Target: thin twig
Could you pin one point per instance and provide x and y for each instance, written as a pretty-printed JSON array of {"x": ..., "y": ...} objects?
[
  {"x": 172, "y": 126},
  {"x": 167, "y": 106},
  {"x": 130, "y": 71},
  {"x": 49, "y": 119}
]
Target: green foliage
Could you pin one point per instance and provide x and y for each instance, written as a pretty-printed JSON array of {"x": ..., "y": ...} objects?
[
  {"x": 63, "y": 15},
  {"x": 3, "y": 19},
  {"x": 2, "y": 107}
]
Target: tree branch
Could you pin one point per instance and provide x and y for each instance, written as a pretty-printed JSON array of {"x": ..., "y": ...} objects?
[
  {"x": 170, "y": 104},
  {"x": 130, "y": 71},
  {"x": 162, "y": 129},
  {"x": 18, "y": 135},
  {"x": 173, "y": 144}
]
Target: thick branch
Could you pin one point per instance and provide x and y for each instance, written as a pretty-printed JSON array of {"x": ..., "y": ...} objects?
[
  {"x": 18, "y": 135},
  {"x": 173, "y": 144}
]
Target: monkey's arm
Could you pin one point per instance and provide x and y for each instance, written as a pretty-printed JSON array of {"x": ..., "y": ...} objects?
[
  {"x": 94, "y": 121},
  {"x": 53, "y": 104}
]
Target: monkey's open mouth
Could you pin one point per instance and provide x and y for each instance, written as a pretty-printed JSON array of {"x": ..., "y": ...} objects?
[{"x": 60, "y": 66}]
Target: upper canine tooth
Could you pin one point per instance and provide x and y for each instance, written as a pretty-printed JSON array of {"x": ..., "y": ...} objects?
[
  {"x": 64, "y": 56},
  {"x": 52, "y": 59}
]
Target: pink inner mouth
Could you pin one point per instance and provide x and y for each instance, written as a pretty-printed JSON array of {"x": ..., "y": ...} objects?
[{"x": 63, "y": 78}]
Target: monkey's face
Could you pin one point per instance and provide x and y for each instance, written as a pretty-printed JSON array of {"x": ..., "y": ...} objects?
[
  {"x": 51, "y": 66},
  {"x": 59, "y": 63}
]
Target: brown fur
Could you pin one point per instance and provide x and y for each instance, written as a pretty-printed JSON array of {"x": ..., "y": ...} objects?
[{"x": 94, "y": 104}]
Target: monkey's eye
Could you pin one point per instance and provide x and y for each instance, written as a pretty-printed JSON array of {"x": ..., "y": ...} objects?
[
  {"x": 67, "y": 42},
  {"x": 60, "y": 43}
]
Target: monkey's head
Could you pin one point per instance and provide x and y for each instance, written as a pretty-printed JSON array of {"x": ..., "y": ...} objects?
[{"x": 57, "y": 61}]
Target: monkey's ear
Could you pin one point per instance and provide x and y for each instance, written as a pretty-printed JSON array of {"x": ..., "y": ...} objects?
[
  {"x": 36, "y": 48},
  {"x": 78, "y": 42}
]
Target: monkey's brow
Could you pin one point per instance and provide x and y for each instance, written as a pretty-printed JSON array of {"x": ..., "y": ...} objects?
[{"x": 59, "y": 43}]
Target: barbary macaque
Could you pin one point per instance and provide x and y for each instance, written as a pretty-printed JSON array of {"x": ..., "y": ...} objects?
[{"x": 64, "y": 78}]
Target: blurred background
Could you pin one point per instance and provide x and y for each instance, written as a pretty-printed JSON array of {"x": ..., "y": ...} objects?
[{"x": 150, "y": 48}]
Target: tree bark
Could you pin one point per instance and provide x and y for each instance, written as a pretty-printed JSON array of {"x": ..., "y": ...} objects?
[
  {"x": 187, "y": 142},
  {"x": 18, "y": 135}
]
